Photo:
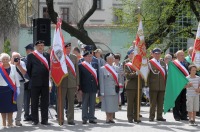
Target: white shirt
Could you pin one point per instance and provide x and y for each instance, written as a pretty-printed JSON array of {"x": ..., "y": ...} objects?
[
  {"x": 24, "y": 67},
  {"x": 13, "y": 75}
]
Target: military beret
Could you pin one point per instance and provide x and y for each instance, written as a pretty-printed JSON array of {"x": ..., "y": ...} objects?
[{"x": 39, "y": 42}]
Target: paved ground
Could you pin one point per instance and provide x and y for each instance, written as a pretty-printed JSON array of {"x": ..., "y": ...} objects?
[{"x": 121, "y": 124}]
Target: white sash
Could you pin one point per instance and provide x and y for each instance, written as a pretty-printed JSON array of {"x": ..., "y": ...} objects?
[
  {"x": 158, "y": 66},
  {"x": 90, "y": 69},
  {"x": 70, "y": 65},
  {"x": 42, "y": 57},
  {"x": 181, "y": 67},
  {"x": 113, "y": 72}
]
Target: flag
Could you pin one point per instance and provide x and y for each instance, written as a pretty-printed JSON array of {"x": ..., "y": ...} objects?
[
  {"x": 196, "y": 49},
  {"x": 140, "y": 60},
  {"x": 176, "y": 81},
  {"x": 58, "y": 53}
]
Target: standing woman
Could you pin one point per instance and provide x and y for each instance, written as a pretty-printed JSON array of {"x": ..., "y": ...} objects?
[
  {"x": 109, "y": 78},
  {"x": 9, "y": 83}
]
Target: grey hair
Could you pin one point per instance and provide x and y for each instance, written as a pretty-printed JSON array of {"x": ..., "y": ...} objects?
[
  {"x": 15, "y": 53},
  {"x": 4, "y": 55},
  {"x": 178, "y": 52},
  {"x": 168, "y": 56},
  {"x": 190, "y": 48}
]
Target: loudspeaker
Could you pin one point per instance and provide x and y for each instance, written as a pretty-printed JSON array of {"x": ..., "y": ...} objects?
[{"x": 42, "y": 30}]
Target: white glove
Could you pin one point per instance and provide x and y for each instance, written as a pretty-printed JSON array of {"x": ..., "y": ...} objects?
[
  {"x": 120, "y": 91},
  {"x": 18, "y": 91}
]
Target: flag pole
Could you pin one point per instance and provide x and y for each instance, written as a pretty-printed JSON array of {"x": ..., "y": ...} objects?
[
  {"x": 138, "y": 90},
  {"x": 60, "y": 122},
  {"x": 138, "y": 100}
]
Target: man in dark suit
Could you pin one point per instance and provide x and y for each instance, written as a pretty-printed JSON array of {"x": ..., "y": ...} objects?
[
  {"x": 38, "y": 70},
  {"x": 27, "y": 89},
  {"x": 179, "y": 111},
  {"x": 88, "y": 73}
]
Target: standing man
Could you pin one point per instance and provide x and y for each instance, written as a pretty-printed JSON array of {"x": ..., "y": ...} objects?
[
  {"x": 27, "y": 88},
  {"x": 38, "y": 70},
  {"x": 21, "y": 71},
  {"x": 88, "y": 72},
  {"x": 131, "y": 87},
  {"x": 157, "y": 79},
  {"x": 179, "y": 111},
  {"x": 69, "y": 85}
]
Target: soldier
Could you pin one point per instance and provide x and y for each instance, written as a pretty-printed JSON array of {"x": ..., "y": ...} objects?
[
  {"x": 131, "y": 87},
  {"x": 156, "y": 79},
  {"x": 69, "y": 84}
]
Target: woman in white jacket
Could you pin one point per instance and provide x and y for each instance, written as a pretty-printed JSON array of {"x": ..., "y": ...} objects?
[{"x": 9, "y": 83}]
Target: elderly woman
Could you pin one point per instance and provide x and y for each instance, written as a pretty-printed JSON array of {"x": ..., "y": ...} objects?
[
  {"x": 109, "y": 79},
  {"x": 9, "y": 83}
]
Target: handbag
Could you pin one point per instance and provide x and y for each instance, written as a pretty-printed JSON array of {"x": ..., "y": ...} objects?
[{"x": 117, "y": 88}]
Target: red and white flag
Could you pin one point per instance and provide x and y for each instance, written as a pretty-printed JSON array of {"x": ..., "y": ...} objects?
[
  {"x": 196, "y": 49},
  {"x": 58, "y": 53},
  {"x": 140, "y": 62}
]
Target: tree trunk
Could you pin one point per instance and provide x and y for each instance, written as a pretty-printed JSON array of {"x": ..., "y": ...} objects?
[{"x": 80, "y": 33}]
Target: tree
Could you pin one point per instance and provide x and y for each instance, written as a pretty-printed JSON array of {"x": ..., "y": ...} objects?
[
  {"x": 6, "y": 47},
  {"x": 8, "y": 17},
  {"x": 79, "y": 32},
  {"x": 160, "y": 19}
]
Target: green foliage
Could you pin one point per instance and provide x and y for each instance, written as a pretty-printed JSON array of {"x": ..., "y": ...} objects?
[
  {"x": 6, "y": 47},
  {"x": 162, "y": 19}
]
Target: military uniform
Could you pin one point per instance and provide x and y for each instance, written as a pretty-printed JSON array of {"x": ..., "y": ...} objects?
[
  {"x": 69, "y": 86},
  {"x": 131, "y": 91},
  {"x": 156, "y": 83}
]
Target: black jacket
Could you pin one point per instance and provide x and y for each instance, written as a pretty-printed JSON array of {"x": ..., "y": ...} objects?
[{"x": 37, "y": 71}]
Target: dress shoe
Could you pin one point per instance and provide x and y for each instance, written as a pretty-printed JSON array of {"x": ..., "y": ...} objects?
[
  {"x": 185, "y": 119},
  {"x": 130, "y": 121},
  {"x": 34, "y": 123},
  {"x": 111, "y": 121},
  {"x": 18, "y": 123},
  {"x": 27, "y": 119},
  {"x": 93, "y": 122},
  {"x": 140, "y": 115},
  {"x": 45, "y": 123},
  {"x": 107, "y": 122},
  {"x": 151, "y": 119},
  {"x": 71, "y": 123},
  {"x": 177, "y": 119},
  {"x": 137, "y": 121},
  {"x": 84, "y": 122},
  {"x": 161, "y": 119}
]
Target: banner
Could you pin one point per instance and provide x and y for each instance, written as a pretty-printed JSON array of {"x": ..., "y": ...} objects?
[
  {"x": 196, "y": 50},
  {"x": 140, "y": 61},
  {"x": 58, "y": 53}
]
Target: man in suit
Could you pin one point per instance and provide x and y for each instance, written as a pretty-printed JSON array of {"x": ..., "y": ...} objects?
[
  {"x": 27, "y": 89},
  {"x": 131, "y": 87},
  {"x": 69, "y": 85},
  {"x": 38, "y": 63},
  {"x": 179, "y": 111},
  {"x": 88, "y": 73},
  {"x": 156, "y": 79}
]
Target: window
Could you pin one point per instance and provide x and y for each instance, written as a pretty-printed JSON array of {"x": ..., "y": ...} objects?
[
  {"x": 65, "y": 14},
  {"x": 99, "y": 4},
  {"x": 45, "y": 12}
]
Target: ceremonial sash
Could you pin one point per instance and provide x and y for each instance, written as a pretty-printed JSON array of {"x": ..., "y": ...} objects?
[
  {"x": 158, "y": 66},
  {"x": 10, "y": 83},
  {"x": 129, "y": 64},
  {"x": 181, "y": 67},
  {"x": 43, "y": 60},
  {"x": 70, "y": 65},
  {"x": 90, "y": 69},
  {"x": 112, "y": 72}
]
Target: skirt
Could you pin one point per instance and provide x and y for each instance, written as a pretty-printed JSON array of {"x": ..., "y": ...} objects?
[
  {"x": 6, "y": 101},
  {"x": 110, "y": 103}
]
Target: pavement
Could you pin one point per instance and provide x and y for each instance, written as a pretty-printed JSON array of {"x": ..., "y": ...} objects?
[{"x": 121, "y": 124}]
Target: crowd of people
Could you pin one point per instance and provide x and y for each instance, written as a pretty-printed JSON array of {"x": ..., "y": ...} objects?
[{"x": 26, "y": 81}]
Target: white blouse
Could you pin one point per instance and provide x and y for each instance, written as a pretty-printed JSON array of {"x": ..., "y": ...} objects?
[{"x": 13, "y": 75}]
